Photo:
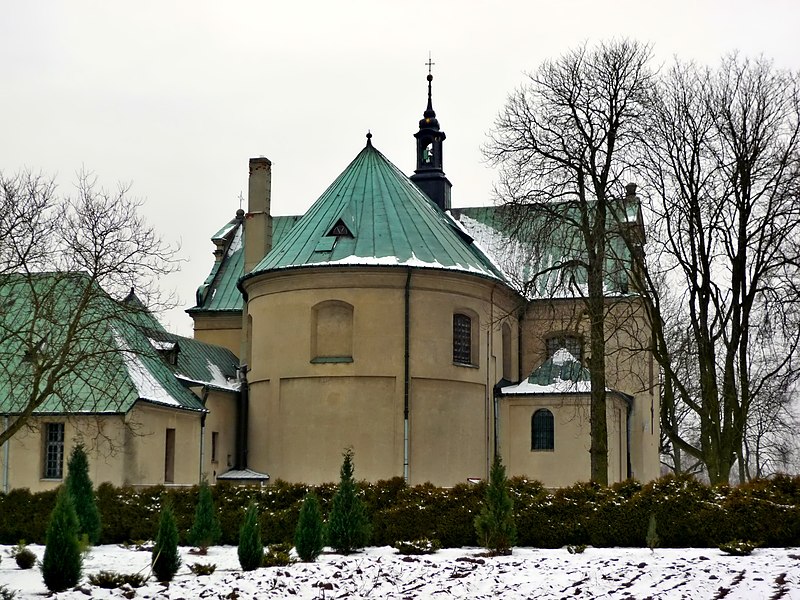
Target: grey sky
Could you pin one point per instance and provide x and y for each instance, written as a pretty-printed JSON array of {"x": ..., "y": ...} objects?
[{"x": 176, "y": 96}]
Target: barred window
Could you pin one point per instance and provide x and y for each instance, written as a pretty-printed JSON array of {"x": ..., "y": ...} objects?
[
  {"x": 53, "y": 450},
  {"x": 542, "y": 430},
  {"x": 462, "y": 339},
  {"x": 572, "y": 343}
]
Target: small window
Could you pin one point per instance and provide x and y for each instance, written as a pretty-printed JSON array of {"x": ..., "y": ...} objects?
[
  {"x": 53, "y": 450},
  {"x": 169, "y": 457},
  {"x": 462, "y": 339},
  {"x": 542, "y": 430},
  {"x": 572, "y": 343},
  {"x": 214, "y": 446}
]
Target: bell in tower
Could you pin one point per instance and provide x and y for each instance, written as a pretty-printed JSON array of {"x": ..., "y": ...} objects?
[{"x": 429, "y": 174}]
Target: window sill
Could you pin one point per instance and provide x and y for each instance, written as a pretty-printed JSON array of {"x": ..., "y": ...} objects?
[
  {"x": 51, "y": 479},
  {"x": 331, "y": 359},
  {"x": 468, "y": 365},
  {"x": 543, "y": 449}
]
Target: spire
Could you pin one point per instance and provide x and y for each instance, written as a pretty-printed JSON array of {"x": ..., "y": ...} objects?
[{"x": 429, "y": 174}]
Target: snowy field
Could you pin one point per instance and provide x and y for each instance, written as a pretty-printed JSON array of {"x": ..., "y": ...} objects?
[{"x": 453, "y": 573}]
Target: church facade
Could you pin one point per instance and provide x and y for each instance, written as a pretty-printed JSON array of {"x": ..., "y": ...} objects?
[{"x": 385, "y": 320}]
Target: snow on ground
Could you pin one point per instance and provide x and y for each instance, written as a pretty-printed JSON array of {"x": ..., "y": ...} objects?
[{"x": 612, "y": 573}]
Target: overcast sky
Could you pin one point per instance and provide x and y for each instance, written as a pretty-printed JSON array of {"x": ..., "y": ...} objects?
[{"x": 174, "y": 97}]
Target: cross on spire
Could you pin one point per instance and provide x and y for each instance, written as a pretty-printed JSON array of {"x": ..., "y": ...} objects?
[{"x": 430, "y": 63}]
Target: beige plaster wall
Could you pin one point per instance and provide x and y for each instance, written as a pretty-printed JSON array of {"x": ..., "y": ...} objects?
[
  {"x": 569, "y": 461},
  {"x": 303, "y": 413},
  {"x": 629, "y": 365},
  {"x": 222, "y": 419},
  {"x": 220, "y": 329},
  {"x": 103, "y": 437},
  {"x": 145, "y": 445}
]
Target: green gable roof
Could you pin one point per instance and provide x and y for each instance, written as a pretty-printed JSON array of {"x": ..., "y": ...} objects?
[
  {"x": 219, "y": 293},
  {"x": 373, "y": 214},
  {"x": 112, "y": 351}
]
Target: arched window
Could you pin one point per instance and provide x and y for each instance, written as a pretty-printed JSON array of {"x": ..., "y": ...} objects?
[
  {"x": 462, "y": 339},
  {"x": 332, "y": 332},
  {"x": 572, "y": 343},
  {"x": 542, "y": 430}
]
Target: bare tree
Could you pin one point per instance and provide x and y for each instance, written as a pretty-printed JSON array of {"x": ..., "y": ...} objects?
[
  {"x": 563, "y": 142},
  {"x": 723, "y": 162},
  {"x": 63, "y": 261}
]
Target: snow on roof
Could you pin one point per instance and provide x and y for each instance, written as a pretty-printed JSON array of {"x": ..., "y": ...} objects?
[
  {"x": 236, "y": 242},
  {"x": 239, "y": 474},
  {"x": 162, "y": 345},
  {"x": 559, "y": 386},
  {"x": 147, "y": 385}
]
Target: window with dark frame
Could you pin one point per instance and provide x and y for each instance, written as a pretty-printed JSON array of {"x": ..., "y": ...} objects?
[
  {"x": 214, "y": 446},
  {"x": 54, "y": 451},
  {"x": 572, "y": 343},
  {"x": 462, "y": 339},
  {"x": 542, "y": 430},
  {"x": 169, "y": 456}
]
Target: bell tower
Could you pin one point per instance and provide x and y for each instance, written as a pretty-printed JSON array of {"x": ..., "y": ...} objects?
[{"x": 429, "y": 174}]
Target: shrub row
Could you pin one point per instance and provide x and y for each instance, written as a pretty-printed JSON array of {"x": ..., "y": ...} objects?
[{"x": 688, "y": 513}]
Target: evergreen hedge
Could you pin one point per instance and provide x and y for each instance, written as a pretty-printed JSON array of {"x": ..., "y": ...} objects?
[{"x": 688, "y": 513}]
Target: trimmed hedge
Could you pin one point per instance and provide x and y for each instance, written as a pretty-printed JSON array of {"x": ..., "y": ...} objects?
[{"x": 688, "y": 513}]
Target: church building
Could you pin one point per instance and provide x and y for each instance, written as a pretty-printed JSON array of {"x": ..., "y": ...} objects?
[{"x": 383, "y": 320}]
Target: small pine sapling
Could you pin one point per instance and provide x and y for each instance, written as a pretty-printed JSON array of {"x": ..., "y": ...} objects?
[
  {"x": 205, "y": 530},
  {"x": 348, "y": 525},
  {"x": 651, "y": 539},
  {"x": 308, "y": 536},
  {"x": 495, "y": 525},
  {"x": 62, "y": 562},
  {"x": 251, "y": 550},
  {"x": 82, "y": 492},
  {"x": 165, "y": 558}
]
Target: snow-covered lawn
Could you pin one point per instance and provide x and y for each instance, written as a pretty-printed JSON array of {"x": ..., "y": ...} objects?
[{"x": 452, "y": 573}]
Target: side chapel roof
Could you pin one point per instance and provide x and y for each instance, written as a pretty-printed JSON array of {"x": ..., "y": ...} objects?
[{"x": 118, "y": 357}]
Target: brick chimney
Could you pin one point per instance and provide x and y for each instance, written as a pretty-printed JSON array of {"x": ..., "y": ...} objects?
[{"x": 258, "y": 221}]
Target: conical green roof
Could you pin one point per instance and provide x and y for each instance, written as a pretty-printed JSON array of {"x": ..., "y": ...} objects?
[{"x": 374, "y": 215}]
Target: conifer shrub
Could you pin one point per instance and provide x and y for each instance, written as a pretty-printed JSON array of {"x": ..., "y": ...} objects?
[
  {"x": 80, "y": 488},
  {"x": 308, "y": 536},
  {"x": 417, "y": 547},
  {"x": 165, "y": 559},
  {"x": 495, "y": 525},
  {"x": 62, "y": 562},
  {"x": 24, "y": 556},
  {"x": 251, "y": 550},
  {"x": 348, "y": 524},
  {"x": 277, "y": 555},
  {"x": 110, "y": 580},
  {"x": 205, "y": 530},
  {"x": 7, "y": 594},
  {"x": 202, "y": 569},
  {"x": 738, "y": 547},
  {"x": 651, "y": 539}
]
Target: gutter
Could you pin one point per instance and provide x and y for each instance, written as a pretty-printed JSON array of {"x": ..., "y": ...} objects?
[
  {"x": 406, "y": 374},
  {"x": 5, "y": 456},
  {"x": 242, "y": 418},
  {"x": 203, "y": 435}
]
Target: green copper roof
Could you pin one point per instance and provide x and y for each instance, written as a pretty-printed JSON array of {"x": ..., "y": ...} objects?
[
  {"x": 374, "y": 215},
  {"x": 550, "y": 264},
  {"x": 219, "y": 292},
  {"x": 114, "y": 352}
]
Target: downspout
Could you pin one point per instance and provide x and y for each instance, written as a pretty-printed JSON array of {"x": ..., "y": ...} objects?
[
  {"x": 628, "y": 437},
  {"x": 5, "y": 456},
  {"x": 489, "y": 385},
  {"x": 242, "y": 421},
  {"x": 203, "y": 434},
  {"x": 406, "y": 373}
]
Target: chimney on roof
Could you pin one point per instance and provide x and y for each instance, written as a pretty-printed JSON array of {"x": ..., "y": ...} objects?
[{"x": 258, "y": 221}]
